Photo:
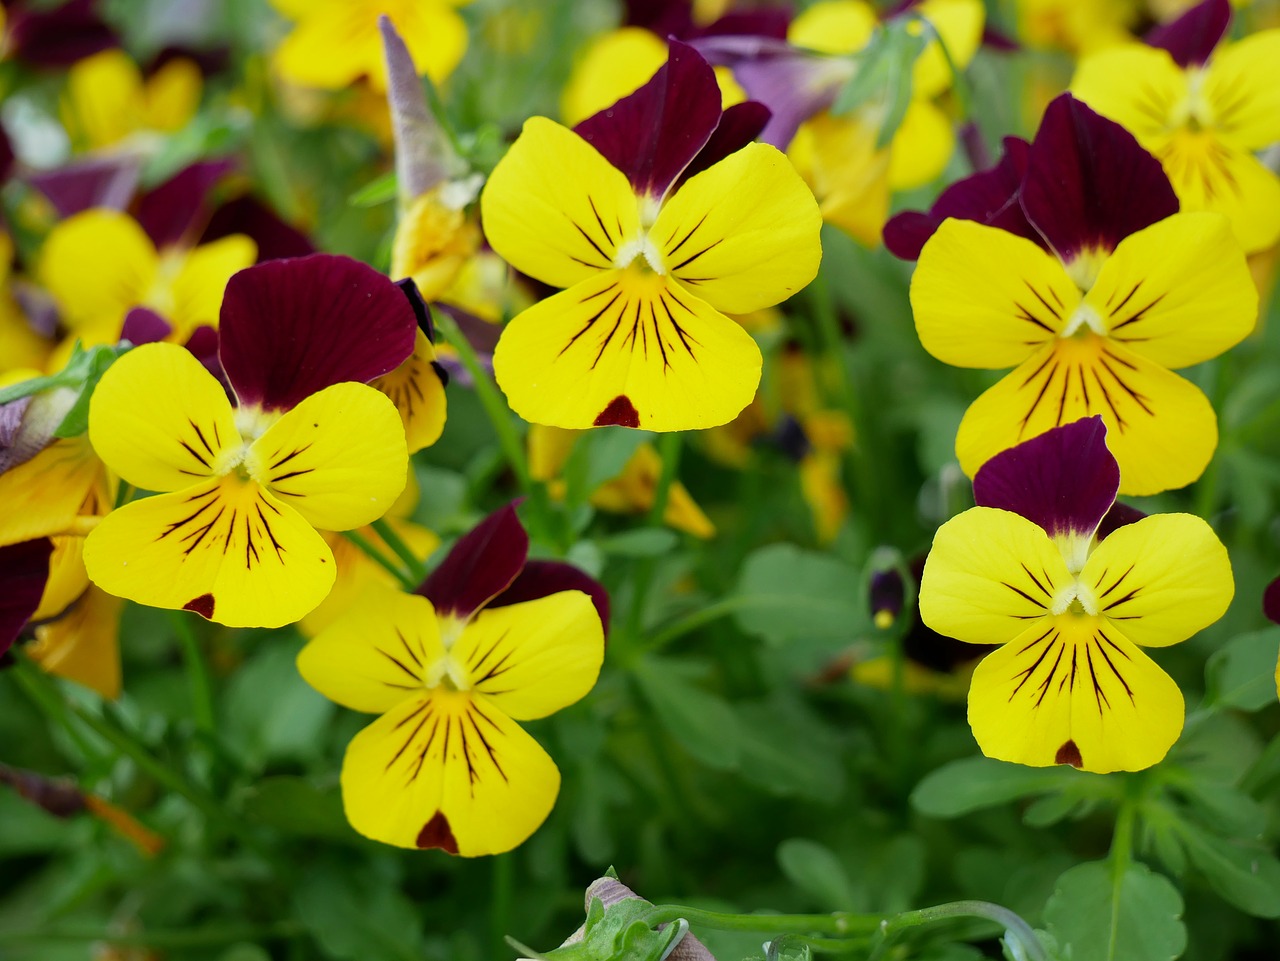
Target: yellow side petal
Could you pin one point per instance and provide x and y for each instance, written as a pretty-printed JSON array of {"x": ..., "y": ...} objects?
[
  {"x": 611, "y": 67},
  {"x": 1160, "y": 427},
  {"x": 1072, "y": 691},
  {"x": 418, "y": 392},
  {"x": 338, "y": 458},
  {"x": 921, "y": 147},
  {"x": 197, "y": 289},
  {"x": 44, "y": 495},
  {"x": 1178, "y": 292},
  {"x": 983, "y": 297},
  {"x": 331, "y": 48},
  {"x": 98, "y": 264},
  {"x": 67, "y": 578},
  {"x": 534, "y": 658},
  {"x": 225, "y": 548},
  {"x": 450, "y": 771},
  {"x": 376, "y": 654},
  {"x": 1161, "y": 579},
  {"x": 626, "y": 348},
  {"x": 554, "y": 208},
  {"x": 1242, "y": 88},
  {"x": 959, "y": 23},
  {"x": 21, "y": 348},
  {"x": 84, "y": 644},
  {"x": 838, "y": 159},
  {"x": 172, "y": 95},
  {"x": 743, "y": 234},
  {"x": 989, "y": 576},
  {"x": 1137, "y": 86},
  {"x": 103, "y": 100},
  {"x": 834, "y": 26},
  {"x": 161, "y": 421}
]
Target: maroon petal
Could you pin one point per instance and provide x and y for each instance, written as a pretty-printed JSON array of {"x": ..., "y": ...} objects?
[
  {"x": 1089, "y": 184},
  {"x": 653, "y": 134},
  {"x": 482, "y": 565},
  {"x": 1120, "y": 515},
  {"x": 1271, "y": 601},
  {"x": 106, "y": 182},
  {"x": 211, "y": 61},
  {"x": 291, "y": 328},
  {"x": 1065, "y": 480},
  {"x": 175, "y": 212},
  {"x": 989, "y": 197},
  {"x": 59, "y": 36},
  {"x": 1191, "y": 38},
  {"x": 664, "y": 17},
  {"x": 544, "y": 578},
  {"x": 768, "y": 22},
  {"x": 24, "y": 568},
  {"x": 142, "y": 325},
  {"x": 419, "y": 307},
  {"x": 739, "y": 125},
  {"x": 6, "y": 155},
  {"x": 249, "y": 216}
]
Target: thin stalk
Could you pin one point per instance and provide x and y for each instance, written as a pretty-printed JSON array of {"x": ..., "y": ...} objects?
[
  {"x": 197, "y": 674},
  {"x": 375, "y": 555},
  {"x": 199, "y": 937},
  {"x": 836, "y": 925},
  {"x": 504, "y": 879},
  {"x": 669, "y": 451},
  {"x": 1119, "y": 858},
  {"x": 1013, "y": 924},
  {"x": 417, "y": 569}
]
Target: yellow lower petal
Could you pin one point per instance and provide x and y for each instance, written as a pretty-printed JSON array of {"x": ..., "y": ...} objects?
[
  {"x": 448, "y": 771},
  {"x": 171, "y": 96},
  {"x": 626, "y": 347},
  {"x": 225, "y": 548},
  {"x": 1074, "y": 691}
]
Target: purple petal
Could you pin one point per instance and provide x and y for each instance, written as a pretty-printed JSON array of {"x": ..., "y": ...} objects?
[
  {"x": 106, "y": 182},
  {"x": 249, "y": 216},
  {"x": 1191, "y": 38},
  {"x": 1120, "y": 515},
  {"x": 211, "y": 61},
  {"x": 203, "y": 345},
  {"x": 769, "y": 22},
  {"x": 654, "y": 133},
  {"x": 290, "y": 328},
  {"x": 175, "y": 212},
  {"x": 544, "y": 578},
  {"x": 1065, "y": 480},
  {"x": 57, "y": 37},
  {"x": 424, "y": 157},
  {"x": 24, "y": 569},
  {"x": 739, "y": 125},
  {"x": 1271, "y": 601},
  {"x": 6, "y": 155},
  {"x": 142, "y": 325},
  {"x": 1089, "y": 184},
  {"x": 666, "y": 18},
  {"x": 482, "y": 565},
  {"x": 995, "y": 39},
  {"x": 989, "y": 197}
]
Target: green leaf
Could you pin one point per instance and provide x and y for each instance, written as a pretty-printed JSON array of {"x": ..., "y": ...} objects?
[
  {"x": 357, "y": 915},
  {"x": 703, "y": 723},
  {"x": 376, "y": 192},
  {"x": 295, "y": 806},
  {"x": 640, "y": 543},
  {"x": 1136, "y": 917},
  {"x": 972, "y": 784},
  {"x": 789, "y": 751},
  {"x": 1241, "y": 673},
  {"x": 788, "y": 593},
  {"x": 1247, "y": 877},
  {"x": 81, "y": 375},
  {"x": 817, "y": 871}
]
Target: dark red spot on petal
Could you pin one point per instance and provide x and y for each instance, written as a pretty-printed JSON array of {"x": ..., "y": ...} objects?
[
  {"x": 436, "y": 833},
  {"x": 1069, "y": 754},
  {"x": 620, "y": 413},
  {"x": 202, "y": 605}
]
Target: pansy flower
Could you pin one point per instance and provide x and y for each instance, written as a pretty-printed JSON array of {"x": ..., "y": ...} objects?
[
  {"x": 233, "y": 535},
  {"x": 1116, "y": 289},
  {"x": 1030, "y": 569},
  {"x": 108, "y": 103},
  {"x": 1203, "y": 108},
  {"x": 488, "y": 640},
  {"x": 657, "y": 215}
]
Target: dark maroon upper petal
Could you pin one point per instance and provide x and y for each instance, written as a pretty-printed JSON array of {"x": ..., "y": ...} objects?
[
  {"x": 103, "y": 182},
  {"x": 988, "y": 197},
  {"x": 174, "y": 213},
  {"x": 544, "y": 578},
  {"x": 1271, "y": 601},
  {"x": 1120, "y": 515},
  {"x": 1065, "y": 480},
  {"x": 654, "y": 133},
  {"x": 290, "y": 328},
  {"x": 142, "y": 325},
  {"x": 58, "y": 36},
  {"x": 249, "y": 216},
  {"x": 1191, "y": 38},
  {"x": 482, "y": 565},
  {"x": 766, "y": 22},
  {"x": 1089, "y": 184},
  {"x": 663, "y": 17},
  {"x": 739, "y": 125},
  {"x": 24, "y": 569}
]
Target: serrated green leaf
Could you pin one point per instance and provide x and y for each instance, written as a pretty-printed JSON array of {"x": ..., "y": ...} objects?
[
  {"x": 1241, "y": 673},
  {"x": 817, "y": 871},
  {"x": 789, "y": 593},
  {"x": 701, "y": 722},
  {"x": 972, "y": 784},
  {"x": 1098, "y": 917}
]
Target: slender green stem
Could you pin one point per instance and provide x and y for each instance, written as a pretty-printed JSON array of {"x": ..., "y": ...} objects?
[
  {"x": 504, "y": 878},
  {"x": 837, "y": 925},
  {"x": 669, "y": 451},
  {"x": 199, "y": 937},
  {"x": 1120, "y": 857},
  {"x": 197, "y": 674},
  {"x": 375, "y": 555},
  {"x": 707, "y": 615},
  {"x": 417, "y": 569},
  {"x": 1013, "y": 924}
]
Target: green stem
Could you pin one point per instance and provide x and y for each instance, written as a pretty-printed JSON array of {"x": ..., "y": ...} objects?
[
  {"x": 691, "y": 622},
  {"x": 837, "y": 925},
  {"x": 1263, "y": 770},
  {"x": 200, "y": 937},
  {"x": 417, "y": 568},
  {"x": 1120, "y": 857},
  {"x": 197, "y": 674},
  {"x": 504, "y": 876},
  {"x": 375, "y": 555},
  {"x": 669, "y": 452},
  {"x": 1013, "y": 924}
]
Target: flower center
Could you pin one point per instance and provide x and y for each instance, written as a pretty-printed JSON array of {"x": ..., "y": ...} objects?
[
  {"x": 640, "y": 249},
  {"x": 1076, "y": 599}
]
